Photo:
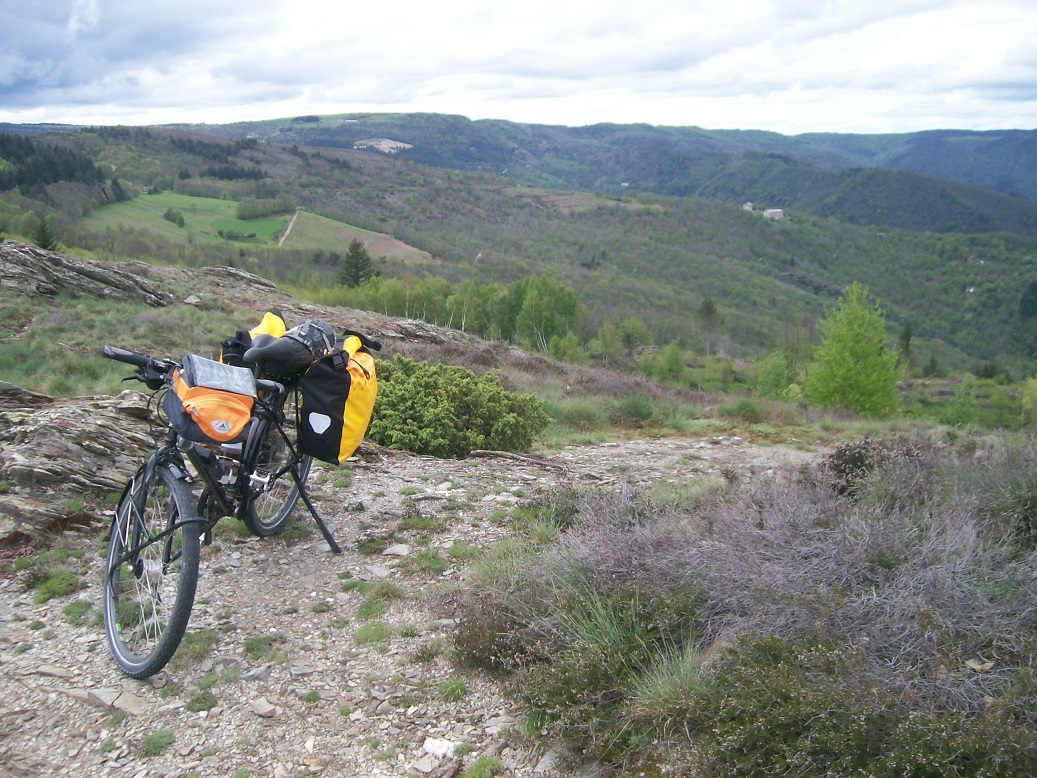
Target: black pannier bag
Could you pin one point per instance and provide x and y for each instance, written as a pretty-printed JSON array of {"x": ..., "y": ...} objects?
[{"x": 338, "y": 394}]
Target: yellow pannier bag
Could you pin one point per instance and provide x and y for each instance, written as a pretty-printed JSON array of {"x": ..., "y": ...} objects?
[
  {"x": 272, "y": 323},
  {"x": 232, "y": 349},
  {"x": 338, "y": 394}
]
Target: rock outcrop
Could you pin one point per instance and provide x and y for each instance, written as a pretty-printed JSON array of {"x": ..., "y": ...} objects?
[
  {"x": 32, "y": 271},
  {"x": 60, "y": 458}
]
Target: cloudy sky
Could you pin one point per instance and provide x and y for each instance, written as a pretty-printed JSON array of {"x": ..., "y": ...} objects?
[{"x": 785, "y": 65}]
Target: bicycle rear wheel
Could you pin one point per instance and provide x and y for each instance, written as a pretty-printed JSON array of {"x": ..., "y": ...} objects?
[
  {"x": 150, "y": 577},
  {"x": 273, "y": 491}
]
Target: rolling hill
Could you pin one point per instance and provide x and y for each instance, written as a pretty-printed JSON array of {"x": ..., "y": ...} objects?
[
  {"x": 949, "y": 181},
  {"x": 625, "y": 253}
]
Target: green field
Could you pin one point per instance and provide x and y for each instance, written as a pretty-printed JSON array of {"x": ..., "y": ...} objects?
[
  {"x": 206, "y": 217},
  {"x": 312, "y": 232}
]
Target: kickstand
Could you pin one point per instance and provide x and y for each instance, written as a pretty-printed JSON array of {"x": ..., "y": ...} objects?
[{"x": 313, "y": 511}]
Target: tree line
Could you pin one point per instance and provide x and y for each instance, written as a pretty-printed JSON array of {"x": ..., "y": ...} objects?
[{"x": 26, "y": 163}]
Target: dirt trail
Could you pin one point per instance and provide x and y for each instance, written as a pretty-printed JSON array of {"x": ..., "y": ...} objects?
[
  {"x": 297, "y": 688},
  {"x": 291, "y": 223}
]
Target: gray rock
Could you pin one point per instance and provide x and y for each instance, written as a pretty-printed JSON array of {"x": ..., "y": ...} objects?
[
  {"x": 264, "y": 709},
  {"x": 261, "y": 673},
  {"x": 31, "y": 271},
  {"x": 50, "y": 453}
]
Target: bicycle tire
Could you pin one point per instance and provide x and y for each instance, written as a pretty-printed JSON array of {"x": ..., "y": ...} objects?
[
  {"x": 271, "y": 503},
  {"x": 148, "y": 595}
]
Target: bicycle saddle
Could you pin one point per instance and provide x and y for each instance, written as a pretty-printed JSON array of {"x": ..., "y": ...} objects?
[{"x": 291, "y": 353}]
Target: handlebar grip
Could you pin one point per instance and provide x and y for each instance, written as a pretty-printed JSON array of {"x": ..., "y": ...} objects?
[
  {"x": 122, "y": 355},
  {"x": 267, "y": 385}
]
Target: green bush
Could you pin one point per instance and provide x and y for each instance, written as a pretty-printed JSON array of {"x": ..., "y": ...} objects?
[
  {"x": 813, "y": 710},
  {"x": 775, "y": 376},
  {"x": 448, "y": 411},
  {"x": 745, "y": 410},
  {"x": 634, "y": 410}
]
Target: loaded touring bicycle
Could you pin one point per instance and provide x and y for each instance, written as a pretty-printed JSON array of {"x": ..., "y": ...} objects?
[{"x": 245, "y": 429}]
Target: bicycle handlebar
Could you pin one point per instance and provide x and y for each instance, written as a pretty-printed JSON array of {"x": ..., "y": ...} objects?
[
  {"x": 122, "y": 355},
  {"x": 150, "y": 371}
]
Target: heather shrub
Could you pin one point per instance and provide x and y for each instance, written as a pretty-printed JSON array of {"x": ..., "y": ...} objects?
[
  {"x": 870, "y": 615},
  {"x": 634, "y": 410},
  {"x": 809, "y": 708},
  {"x": 850, "y": 464},
  {"x": 448, "y": 411},
  {"x": 745, "y": 409}
]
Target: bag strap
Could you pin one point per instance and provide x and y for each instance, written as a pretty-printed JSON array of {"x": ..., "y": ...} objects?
[
  {"x": 340, "y": 359},
  {"x": 368, "y": 343}
]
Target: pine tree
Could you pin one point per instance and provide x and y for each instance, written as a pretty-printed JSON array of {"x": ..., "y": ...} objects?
[
  {"x": 709, "y": 321},
  {"x": 43, "y": 236},
  {"x": 357, "y": 266},
  {"x": 852, "y": 366}
]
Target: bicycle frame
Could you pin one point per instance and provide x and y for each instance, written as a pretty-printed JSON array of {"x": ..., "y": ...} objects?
[{"x": 206, "y": 459}]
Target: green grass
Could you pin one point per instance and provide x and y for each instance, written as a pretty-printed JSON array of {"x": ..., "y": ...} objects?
[
  {"x": 203, "y": 217},
  {"x": 311, "y": 232},
  {"x": 77, "y": 610},
  {"x": 355, "y": 585},
  {"x": 58, "y": 584},
  {"x": 263, "y": 647},
  {"x": 483, "y": 767},
  {"x": 201, "y": 700},
  {"x": 371, "y": 609},
  {"x": 374, "y": 632},
  {"x": 452, "y": 689},
  {"x": 58, "y": 352},
  {"x": 429, "y": 561},
  {"x": 156, "y": 742},
  {"x": 194, "y": 647}
]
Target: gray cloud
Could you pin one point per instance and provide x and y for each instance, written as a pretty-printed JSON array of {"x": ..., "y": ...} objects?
[{"x": 786, "y": 65}]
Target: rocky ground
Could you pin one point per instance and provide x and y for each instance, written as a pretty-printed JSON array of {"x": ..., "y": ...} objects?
[{"x": 301, "y": 677}]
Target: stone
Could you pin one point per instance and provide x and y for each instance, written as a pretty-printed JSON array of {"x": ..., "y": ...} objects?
[
  {"x": 424, "y": 765},
  {"x": 53, "y": 672},
  {"x": 440, "y": 748},
  {"x": 104, "y": 697},
  {"x": 264, "y": 709},
  {"x": 547, "y": 762},
  {"x": 130, "y": 703},
  {"x": 261, "y": 673}
]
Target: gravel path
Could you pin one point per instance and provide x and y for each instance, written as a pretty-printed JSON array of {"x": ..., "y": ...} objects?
[{"x": 304, "y": 679}]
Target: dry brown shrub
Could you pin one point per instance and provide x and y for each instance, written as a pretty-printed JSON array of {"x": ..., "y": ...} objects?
[{"x": 910, "y": 570}]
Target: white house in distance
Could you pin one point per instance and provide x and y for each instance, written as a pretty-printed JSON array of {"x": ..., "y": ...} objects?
[{"x": 774, "y": 213}]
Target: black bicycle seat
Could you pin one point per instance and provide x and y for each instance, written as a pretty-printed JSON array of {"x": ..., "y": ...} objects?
[{"x": 277, "y": 356}]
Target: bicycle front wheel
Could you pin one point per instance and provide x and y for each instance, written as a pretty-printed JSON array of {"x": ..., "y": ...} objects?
[
  {"x": 151, "y": 571},
  {"x": 273, "y": 491}
]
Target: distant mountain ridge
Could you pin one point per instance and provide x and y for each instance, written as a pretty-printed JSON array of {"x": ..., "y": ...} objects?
[
  {"x": 623, "y": 251},
  {"x": 939, "y": 181}
]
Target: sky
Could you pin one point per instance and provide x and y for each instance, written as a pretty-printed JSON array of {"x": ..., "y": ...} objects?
[{"x": 789, "y": 66}]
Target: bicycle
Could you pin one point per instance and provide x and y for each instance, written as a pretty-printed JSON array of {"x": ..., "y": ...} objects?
[{"x": 151, "y": 565}]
